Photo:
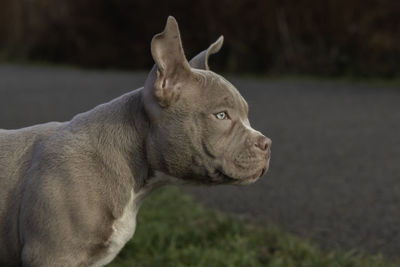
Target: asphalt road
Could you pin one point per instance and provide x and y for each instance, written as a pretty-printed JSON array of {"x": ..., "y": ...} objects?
[{"x": 335, "y": 168}]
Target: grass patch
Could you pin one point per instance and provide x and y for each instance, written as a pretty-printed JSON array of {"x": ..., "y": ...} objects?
[{"x": 173, "y": 230}]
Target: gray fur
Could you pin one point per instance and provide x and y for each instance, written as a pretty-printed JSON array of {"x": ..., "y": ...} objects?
[{"x": 63, "y": 186}]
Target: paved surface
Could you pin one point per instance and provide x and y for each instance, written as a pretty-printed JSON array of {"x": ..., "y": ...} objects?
[{"x": 335, "y": 169}]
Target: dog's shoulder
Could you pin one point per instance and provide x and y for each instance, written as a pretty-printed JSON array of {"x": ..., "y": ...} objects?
[{"x": 16, "y": 144}]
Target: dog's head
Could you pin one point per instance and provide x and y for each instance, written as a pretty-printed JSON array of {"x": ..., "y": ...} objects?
[{"x": 199, "y": 127}]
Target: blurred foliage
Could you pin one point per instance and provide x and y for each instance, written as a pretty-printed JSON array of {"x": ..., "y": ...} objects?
[{"x": 331, "y": 37}]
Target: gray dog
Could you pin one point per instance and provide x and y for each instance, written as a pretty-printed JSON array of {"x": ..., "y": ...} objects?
[{"x": 70, "y": 192}]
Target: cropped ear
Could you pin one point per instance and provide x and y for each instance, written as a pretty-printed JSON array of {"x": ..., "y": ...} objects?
[
  {"x": 201, "y": 60},
  {"x": 172, "y": 65}
]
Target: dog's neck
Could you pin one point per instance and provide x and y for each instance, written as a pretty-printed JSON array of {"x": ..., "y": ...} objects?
[{"x": 119, "y": 129}]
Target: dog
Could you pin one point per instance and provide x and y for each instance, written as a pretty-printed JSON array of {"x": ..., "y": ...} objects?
[{"x": 70, "y": 191}]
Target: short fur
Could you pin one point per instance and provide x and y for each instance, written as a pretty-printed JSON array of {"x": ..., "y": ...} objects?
[{"x": 69, "y": 192}]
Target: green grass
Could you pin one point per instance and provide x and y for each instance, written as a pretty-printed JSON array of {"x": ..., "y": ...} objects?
[{"x": 173, "y": 230}]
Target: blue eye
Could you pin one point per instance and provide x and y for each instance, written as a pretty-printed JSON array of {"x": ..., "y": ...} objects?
[{"x": 221, "y": 115}]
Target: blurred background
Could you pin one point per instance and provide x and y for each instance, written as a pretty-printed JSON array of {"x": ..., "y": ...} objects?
[
  {"x": 332, "y": 37},
  {"x": 335, "y": 168}
]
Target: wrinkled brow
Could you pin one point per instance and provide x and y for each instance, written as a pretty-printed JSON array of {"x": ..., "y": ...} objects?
[{"x": 228, "y": 101}]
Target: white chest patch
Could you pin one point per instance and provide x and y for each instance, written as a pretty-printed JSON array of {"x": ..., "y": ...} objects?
[{"x": 123, "y": 230}]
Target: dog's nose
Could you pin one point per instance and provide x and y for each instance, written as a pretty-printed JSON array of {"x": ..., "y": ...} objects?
[{"x": 263, "y": 143}]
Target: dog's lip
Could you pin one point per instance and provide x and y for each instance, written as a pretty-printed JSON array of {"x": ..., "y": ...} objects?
[
  {"x": 225, "y": 176},
  {"x": 254, "y": 176},
  {"x": 261, "y": 159},
  {"x": 268, "y": 154},
  {"x": 259, "y": 173}
]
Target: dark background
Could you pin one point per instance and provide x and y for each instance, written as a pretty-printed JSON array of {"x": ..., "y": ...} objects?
[{"x": 330, "y": 37}]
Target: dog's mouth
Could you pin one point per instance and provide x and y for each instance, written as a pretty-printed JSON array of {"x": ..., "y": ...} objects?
[
  {"x": 228, "y": 172},
  {"x": 224, "y": 178},
  {"x": 263, "y": 171}
]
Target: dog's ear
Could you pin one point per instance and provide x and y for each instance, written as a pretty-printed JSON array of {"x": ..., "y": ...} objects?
[
  {"x": 172, "y": 65},
  {"x": 201, "y": 60}
]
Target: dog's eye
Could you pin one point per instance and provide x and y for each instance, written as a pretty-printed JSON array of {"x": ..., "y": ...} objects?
[{"x": 221, "y": 115}]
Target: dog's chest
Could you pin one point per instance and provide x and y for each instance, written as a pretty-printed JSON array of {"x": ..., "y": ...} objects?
[{"x": 123, "y": 230}]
